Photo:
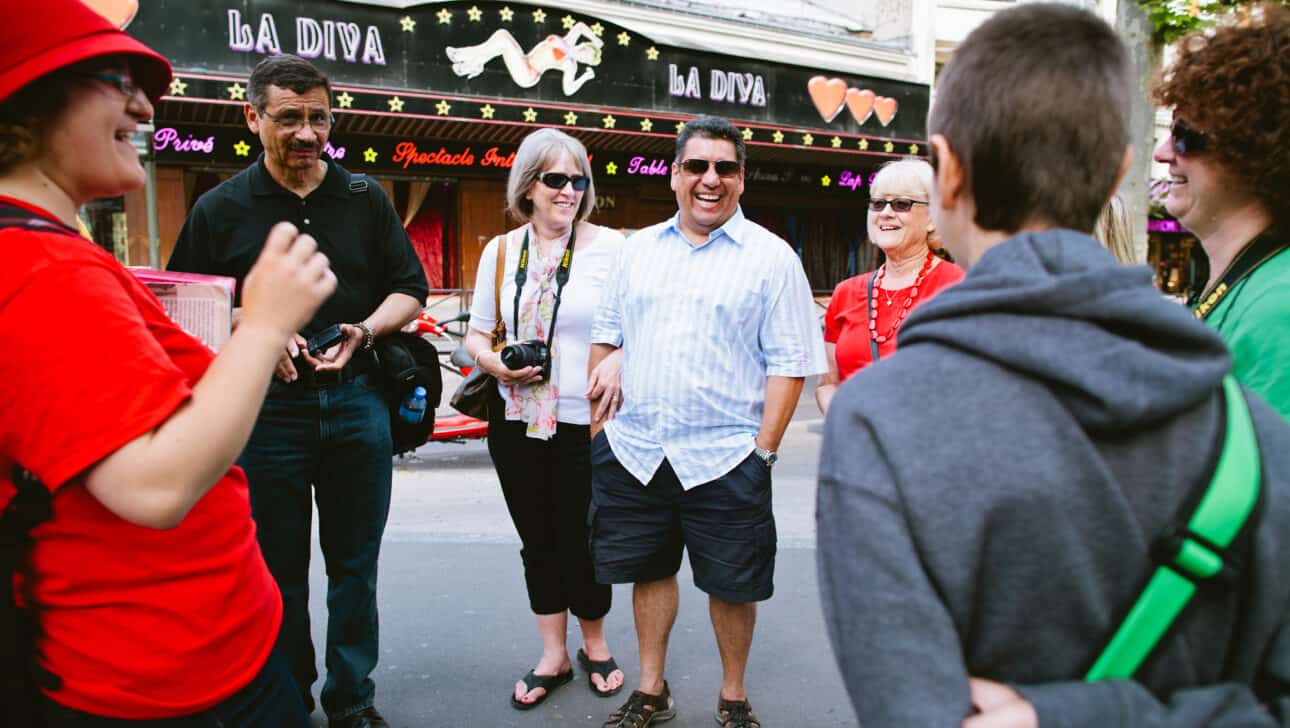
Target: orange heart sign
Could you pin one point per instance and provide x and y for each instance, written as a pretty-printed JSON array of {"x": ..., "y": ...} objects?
[
  {"x": 828, "y": 95},
  {"x": 884, "y": 107},
  {"x": 118, "y": 12},
  {"x": 860, "y": 103}
]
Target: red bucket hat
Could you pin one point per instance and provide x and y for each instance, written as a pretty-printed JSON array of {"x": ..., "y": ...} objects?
[{"x": 48, "y": 35}]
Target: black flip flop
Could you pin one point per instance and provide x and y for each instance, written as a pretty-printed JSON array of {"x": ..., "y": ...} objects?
[
  {"x": 547, "y": 682},
  {"x": 598, "y": 667}
]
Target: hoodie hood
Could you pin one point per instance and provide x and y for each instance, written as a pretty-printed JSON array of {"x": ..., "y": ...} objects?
[{"x": 1056, "y": 307}]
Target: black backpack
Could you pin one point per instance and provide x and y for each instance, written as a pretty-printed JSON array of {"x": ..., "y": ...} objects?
[{"x": 404, "y": 362}]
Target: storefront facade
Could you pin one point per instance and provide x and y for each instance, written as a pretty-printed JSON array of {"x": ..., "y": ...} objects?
[{"x": 432, "y": 101}]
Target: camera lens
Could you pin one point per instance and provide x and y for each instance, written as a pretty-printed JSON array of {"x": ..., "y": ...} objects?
[{"x": 525, "y": 354}]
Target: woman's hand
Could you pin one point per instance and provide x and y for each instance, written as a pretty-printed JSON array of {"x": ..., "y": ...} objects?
[
  {"x": 491, "y": 362},
  {"x": 1000, "y": 707},
  {"x": 605, "y": 384}
]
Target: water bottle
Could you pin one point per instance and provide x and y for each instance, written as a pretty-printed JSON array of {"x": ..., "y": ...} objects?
[{"x": 413, "y": 409}]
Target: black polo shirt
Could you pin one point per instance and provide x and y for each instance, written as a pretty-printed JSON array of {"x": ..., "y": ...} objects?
[{"x": 357, "y": 230}]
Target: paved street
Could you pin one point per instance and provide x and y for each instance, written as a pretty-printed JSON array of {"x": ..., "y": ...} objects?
[{"x": 457, "y": 633}]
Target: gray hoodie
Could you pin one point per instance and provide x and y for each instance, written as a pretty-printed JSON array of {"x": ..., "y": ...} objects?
[{"x": 989, "y": 496}]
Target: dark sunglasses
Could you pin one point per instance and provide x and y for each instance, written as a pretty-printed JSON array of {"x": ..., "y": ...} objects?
[
  {"x": 119, "y": 81},
  {"x": 900, "y": 204},
  {"x": 557, "y": 181},
  {"x": 725, "y": 168},
  {"x": 1186, "y": 139}
]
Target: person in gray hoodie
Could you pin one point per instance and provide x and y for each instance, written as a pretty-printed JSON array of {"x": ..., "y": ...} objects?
[{"x": 989, "y": 496}]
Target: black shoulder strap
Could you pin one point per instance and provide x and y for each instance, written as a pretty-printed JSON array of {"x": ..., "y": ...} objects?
[
  {"x": 14, "y": 216},
  {"x": 357, "y": 183},
  {"x": 19, "y": 673}
]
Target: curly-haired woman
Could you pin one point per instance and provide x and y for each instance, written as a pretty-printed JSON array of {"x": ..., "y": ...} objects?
[{"x": 1229, "y": 168}]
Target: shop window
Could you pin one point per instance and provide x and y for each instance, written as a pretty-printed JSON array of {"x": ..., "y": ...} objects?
[{"x": 104, "y": 221}]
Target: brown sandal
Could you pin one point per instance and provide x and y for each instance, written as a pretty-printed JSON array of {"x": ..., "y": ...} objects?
[
  {"x": 736, "y": 714},
  {"x": 642, "y": 710}
]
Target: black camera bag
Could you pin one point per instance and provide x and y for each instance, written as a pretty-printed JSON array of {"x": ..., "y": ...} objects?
[{"x": 404, "y": 362}]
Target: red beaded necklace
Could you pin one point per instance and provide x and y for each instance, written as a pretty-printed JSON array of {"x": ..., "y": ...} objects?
[{"x": 904, "y": 308}]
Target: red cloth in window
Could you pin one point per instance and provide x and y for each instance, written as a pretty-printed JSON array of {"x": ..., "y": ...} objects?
[
  {"x": 846, "y": 322},
  {"x": 426, "y": 235},
  {"x": 139, "y": 623}
]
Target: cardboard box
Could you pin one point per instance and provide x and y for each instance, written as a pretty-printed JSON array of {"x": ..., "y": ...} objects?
[{"x": 200, "y": 304}]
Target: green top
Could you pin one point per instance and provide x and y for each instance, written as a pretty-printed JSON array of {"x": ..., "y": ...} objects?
[{"x": 1254, "y": 320}]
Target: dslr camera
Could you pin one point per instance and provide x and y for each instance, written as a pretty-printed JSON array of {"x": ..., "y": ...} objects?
[{"x": 531, "y": 353}]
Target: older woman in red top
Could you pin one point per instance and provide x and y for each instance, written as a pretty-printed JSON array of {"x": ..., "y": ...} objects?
[{"x": 866, "y": 311}]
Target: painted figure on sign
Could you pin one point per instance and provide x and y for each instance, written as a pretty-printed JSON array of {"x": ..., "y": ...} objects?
[{"x": 580, "y": 45}]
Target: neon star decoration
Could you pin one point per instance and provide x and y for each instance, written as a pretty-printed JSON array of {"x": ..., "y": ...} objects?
[
  {"x": 539, "y": 16},
  {"x": 241, "y": 149},
  {"x": 568, "y": 22},
  {"x": 345, "y": 100},
  {"x": 825, "y": 181},
  {"x": 396, "y": 104},
  {"x": 506, "y": 14},
  {"x": 445, "y": 16},
  {"x": 864, "y": 144},
  {"x": 651, "y": 53},
  {"x": 647, "y": 125},
  {"x": 597, "y": 28},
  {"x": 913, "y": 149},
  {"x": 475, "y": 14},
  {"x": 679, "y": 125},
  {"x": 178, "y": 87},
  {"x": 609, "y": 121},
  {"x": 778, "y": 136},
  {"x": 530, "y": 115},
  {"x": 807, "y": 139},
  {"x": 486, "y": 111},
  {"x": 407, "y": 23},
  {"x": 369, "y": 155},
  {"x": 236, "y": 92},
  {"x": 611, "y": 169},
  {"x": 571, "y": 119},
  {"x": 747, "y": 133},
  {"x": 836, "y": 142},
  {"x": 443, "y": 107},
  {"x": 624, "y": 39},
  {"x": 888, "y": 147}
]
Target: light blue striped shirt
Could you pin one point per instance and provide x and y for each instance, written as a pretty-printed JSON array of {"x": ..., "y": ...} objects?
[{"x": 701, "y": 328}]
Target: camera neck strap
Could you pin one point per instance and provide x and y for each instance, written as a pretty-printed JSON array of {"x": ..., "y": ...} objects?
[
  {"x": 1255, "y": 253},
  {"x": 561, "y": 278}
]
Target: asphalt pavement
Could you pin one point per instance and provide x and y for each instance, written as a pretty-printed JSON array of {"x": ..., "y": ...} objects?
[{"x": 456, "y": 632}]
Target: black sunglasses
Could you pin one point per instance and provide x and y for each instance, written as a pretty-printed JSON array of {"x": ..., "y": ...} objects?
[
  {"x": 1186, "y": 139},
  {"x": 119, "y": 81},
  {"x": 725, "y": 168},
  {"x": 557, "y": 181},
  {"x": 900, "y": 204}
]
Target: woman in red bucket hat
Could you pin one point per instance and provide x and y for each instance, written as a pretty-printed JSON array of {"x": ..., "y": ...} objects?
[{"x": 148, "y": 596}]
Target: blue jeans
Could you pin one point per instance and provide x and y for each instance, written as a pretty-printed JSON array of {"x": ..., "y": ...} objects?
[
  {"x": 270, "y": 700},
  {"x": 337, "y": 440}
]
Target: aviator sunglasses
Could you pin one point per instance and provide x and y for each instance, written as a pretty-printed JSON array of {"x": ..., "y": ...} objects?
[
  {"x": 725, "y": 168},
  {"x": 557, "y": 181},
  {"x": 899, "y": 204},
  {"x": 1187, "y": 140}
]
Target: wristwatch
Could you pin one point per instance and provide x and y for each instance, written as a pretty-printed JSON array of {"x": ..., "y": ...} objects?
[
  {"x": 368, "y": 339},
  {"x": 767, "y": 456}
]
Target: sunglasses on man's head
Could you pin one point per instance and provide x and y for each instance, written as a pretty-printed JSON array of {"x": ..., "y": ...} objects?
[
  {"x": 725, "y": 168},
  {"x": 899, "y": 204},
  {"x": 1187, "y": 140},
  {"x": 557, "y": 181}
]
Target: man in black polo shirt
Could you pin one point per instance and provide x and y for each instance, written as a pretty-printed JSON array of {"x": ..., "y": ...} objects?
[{"x": 323, "y": 423}]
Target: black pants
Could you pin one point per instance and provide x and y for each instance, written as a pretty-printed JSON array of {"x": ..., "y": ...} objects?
[{"x": 547, "y": 485}]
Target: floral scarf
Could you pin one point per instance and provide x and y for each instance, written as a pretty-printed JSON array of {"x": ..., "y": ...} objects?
[{"x": 536, "y": 403}]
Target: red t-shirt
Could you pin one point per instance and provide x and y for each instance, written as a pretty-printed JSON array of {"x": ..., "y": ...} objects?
[
  {"x": 846, "y": 322},
  {"x": 139, "y": 623}
]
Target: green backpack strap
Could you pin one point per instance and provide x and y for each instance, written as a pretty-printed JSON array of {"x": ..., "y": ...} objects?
[{"x": 1196, "y": 553}]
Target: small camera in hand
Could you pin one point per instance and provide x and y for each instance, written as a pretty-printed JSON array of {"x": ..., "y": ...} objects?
[
  {"x": 531, "y": 353},
  {"x": 324, "y": 340}
]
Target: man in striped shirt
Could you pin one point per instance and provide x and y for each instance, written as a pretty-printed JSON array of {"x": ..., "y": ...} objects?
[{"x": 717, "y": 326}]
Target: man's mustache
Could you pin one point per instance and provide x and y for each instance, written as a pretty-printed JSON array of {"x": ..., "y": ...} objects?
[{"x": 303, "y": 147}]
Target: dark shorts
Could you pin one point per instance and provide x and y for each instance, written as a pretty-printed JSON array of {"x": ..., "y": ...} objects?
[{"x": 637, "y": 532}]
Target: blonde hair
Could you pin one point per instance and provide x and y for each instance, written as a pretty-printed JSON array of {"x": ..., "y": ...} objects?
[
  {"x": 538, "y": 150},
  {"x": 912, "y": 173},
  {"x": 1113, "y": 231}
]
